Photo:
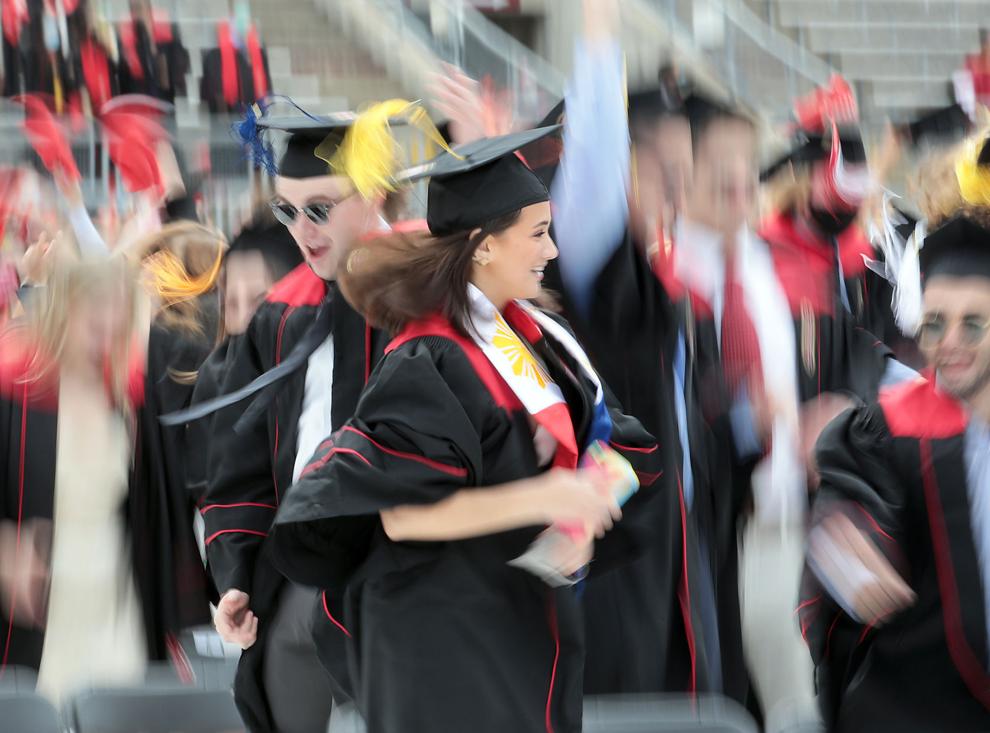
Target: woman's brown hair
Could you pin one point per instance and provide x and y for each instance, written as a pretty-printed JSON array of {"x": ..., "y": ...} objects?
[{"x": 397, "y": 278}]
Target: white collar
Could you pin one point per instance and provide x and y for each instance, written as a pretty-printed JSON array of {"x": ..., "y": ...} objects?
[{"x": 699, "y": 256}]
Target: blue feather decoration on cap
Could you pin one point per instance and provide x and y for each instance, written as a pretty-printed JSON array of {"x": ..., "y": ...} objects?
[{"x": 246, "y": 132}]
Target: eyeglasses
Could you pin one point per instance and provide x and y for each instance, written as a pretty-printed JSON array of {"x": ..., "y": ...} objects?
[
  {"x": 319, "y": 213},
  {"x": 933, "y": 330}
]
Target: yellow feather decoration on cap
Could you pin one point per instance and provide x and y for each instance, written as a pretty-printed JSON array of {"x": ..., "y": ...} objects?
[
  {"x": 973, "y": 178},
  {"x": 369, "y": 155},
  {"x": 173, "y": 283}
]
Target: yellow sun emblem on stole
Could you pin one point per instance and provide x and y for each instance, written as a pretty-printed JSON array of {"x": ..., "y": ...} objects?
[{"x": 522, "y": 361}]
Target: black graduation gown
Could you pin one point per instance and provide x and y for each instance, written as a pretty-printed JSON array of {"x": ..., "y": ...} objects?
[
  {"x": 445, "y": 636},
  {"x": 632, "y": 331},
  {"x": 839, "y": 350},
  {"x": 209, "y": 383},
  {"x": 27, "y": 66},
  {"x": 174, "y": 360},
  {"x": 897, "y": 469},
  {"x": 211, "y": 83},
  {"x": 172, "y": 53},
  {"x": 28, "y": 432},
  {"x": 249, "y": 473}
]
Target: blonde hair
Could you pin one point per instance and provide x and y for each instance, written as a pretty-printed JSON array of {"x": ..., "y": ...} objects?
[
  {"x": 935, "y": 187},
  {"x": 70, "y": 282},
  {"x": 788, "y": 191},
  {"x": 184, "y": 259}
]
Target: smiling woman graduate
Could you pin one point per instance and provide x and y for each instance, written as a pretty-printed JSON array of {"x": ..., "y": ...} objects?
[{"x": 469, "y": 441}]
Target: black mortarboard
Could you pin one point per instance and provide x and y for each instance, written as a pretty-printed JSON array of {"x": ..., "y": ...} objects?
[
  {"x": 958, "y": 248},
  {"x": 655, "y": 102},
  {"x": 543, "y": 155},
  {"x": 938, "y": 127},
  {"x": 486, "y": 180},
  {"x": 701, "y": 110},
  {"x": 817, "y": 146},
  {"x": 305, "y": 135},
  {"x": 647, "y": 104},
  {"x": 273, "y": 242}
]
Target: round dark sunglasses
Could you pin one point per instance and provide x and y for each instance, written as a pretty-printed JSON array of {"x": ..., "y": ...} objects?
[{"x": 318, "y": 213}]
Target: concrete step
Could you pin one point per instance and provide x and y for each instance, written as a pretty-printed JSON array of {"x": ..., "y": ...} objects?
[
  {"x": 958, "y": 39},
  {"x": 296, "y": 85},
  {"x": 279, "y": 60},
  {"x": 887, "y": 64},
  {"x": 119, "y": 9},
  {"x": 809, "y": 13},
  {"x": 361, "y": 91},
  {"x": 910, "y": 94}
]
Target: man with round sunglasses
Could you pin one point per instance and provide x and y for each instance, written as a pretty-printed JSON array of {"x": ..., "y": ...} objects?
[
  {"x": 896, "y": 604},
  {"x": 290, "y": 380}
]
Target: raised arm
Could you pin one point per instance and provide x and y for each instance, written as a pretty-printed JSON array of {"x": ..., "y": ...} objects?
[{"x": 589, "y": 192}]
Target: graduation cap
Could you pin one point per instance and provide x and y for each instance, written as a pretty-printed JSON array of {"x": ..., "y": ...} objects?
[
  {"x": 825, "y": 115},
  {"x": 655, "y": 102},
  {"x": 480, "y": 181},
  {"x": 543, "y": 155},
  {"x": 361, "y": 147},
  {"x": 273, "y": 242},
  {"x": 306, "y": 136},
  {"x": 702, "y": 110},
  {"x": 813, "y": 147},
  {"x": 958, "y": 248},
  {"x": 937, "y": 127},
  {"x": 645, "y": 105}
]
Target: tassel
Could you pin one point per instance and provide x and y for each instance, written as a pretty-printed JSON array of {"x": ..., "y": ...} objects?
[
  {"x": 174, "y": 284},
  {"x": 973, "y": 176},
  {"x": 907, "y": 292},
  {"x": 369, "y": 155},
  {"x": 902, "y": 267}
]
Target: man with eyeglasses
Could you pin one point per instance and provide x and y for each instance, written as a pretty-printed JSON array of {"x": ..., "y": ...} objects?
[
  {"x": 289, "y": 381},
  {"x": 896, "y": 605}
]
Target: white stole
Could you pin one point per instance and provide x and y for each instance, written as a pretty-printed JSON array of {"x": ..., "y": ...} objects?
[
  {"x": 512, "y": 359},
  {"x": 779, "y": 482}
]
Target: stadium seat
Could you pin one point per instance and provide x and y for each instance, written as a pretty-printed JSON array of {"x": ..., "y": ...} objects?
[
  {"x": 155, "y": 711},
  {"x": 207, "y": 674},
  {"x": 27, "y": 711},
  {"x": 665, "y": 714},
  {"x": 205, "y": 642},
  {"x": 18, "y": 679}
]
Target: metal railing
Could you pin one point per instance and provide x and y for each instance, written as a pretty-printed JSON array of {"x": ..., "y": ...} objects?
[
  {"x": 469, "y": 40},
  {"x": 411, "y": 48},
  {"x": 761, "y": 66}
]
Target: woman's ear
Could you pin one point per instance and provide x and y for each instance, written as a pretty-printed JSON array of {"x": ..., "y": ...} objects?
[{"x": 483, "y": 252}]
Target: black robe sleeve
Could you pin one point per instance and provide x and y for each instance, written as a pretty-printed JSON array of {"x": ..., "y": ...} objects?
[
  {"x": 198, "y": 433},
  {"x": 858, "y": 480},
  {"x": 239, "y": 502},
  {"x": 629, "y": 329},
  {"x": 410, "y": 442},
  {"x": 651, "y": 505}
]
